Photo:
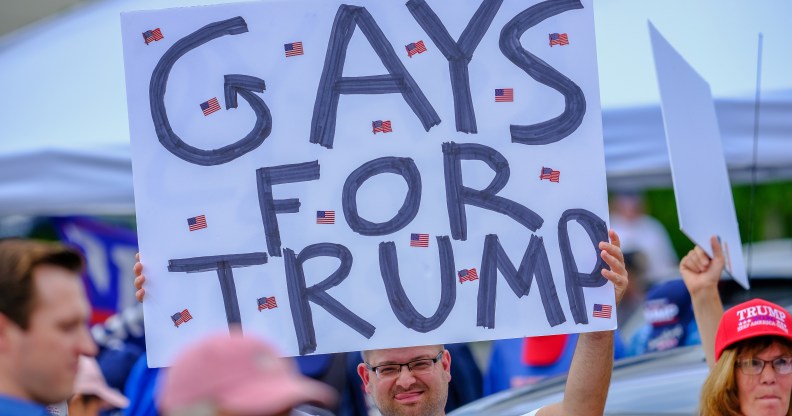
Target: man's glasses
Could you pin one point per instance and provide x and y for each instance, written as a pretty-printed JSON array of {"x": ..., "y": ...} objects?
[
  {"x": 389, "y": 371},
  {"x": 754, "y": 366}
]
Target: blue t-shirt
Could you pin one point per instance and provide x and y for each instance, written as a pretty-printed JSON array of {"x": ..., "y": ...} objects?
[
  {"x": 649, "y": 339},
  {"x": 11, "y": 406},
  {"x": 506, "y": 369}
]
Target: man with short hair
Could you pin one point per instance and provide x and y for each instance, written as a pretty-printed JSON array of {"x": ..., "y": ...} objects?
[
  {"x": 420, "y": 390},
  {"x": 43, "y": 325},
  {"x": 414, "y": 380}
]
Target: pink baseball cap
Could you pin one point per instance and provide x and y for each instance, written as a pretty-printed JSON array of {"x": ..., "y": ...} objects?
[
  {"x": 238, "y": 374},
  {"x": 754, "y": 318},
  {"x": 90, "y": 380}
]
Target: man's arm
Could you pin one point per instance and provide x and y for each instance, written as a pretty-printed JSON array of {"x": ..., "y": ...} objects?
[
  {"x": 589, "y": 375},
  {"x": 701, "y": 275}
]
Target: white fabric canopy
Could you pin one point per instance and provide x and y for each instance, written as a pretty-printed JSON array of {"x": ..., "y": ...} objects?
[{"x": 64, "y": 138}]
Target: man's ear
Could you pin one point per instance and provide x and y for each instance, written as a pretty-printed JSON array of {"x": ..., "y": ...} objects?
[
  {"x": 446, "y": 360},
  {"x": 364, "y": 375}
]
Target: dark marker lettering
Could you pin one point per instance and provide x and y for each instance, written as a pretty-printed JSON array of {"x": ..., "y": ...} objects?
[
  {"x": 458, "y": 53},
  {"x": 333, "y": 84},
  {"x": 300, "y": 295},
  {"x": 405, "y": 167},
  {"x": 534, "y": 263},
  {"x": 234, "y": 84},
  {"x": 400, "y": 303},
  {"x": 457, "y": 195},
  {"x": 555, "y": 129},
  {"x": 274, "y": 175},
  {"x": 576, "y": 281},
  {"x": 223, "y": 265}
]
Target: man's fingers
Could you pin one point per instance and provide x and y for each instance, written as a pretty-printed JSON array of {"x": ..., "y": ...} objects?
[
  {"x": 615, "y": 278},
  {"x": 139, "y": 280},
  {"x": 614, "y": 258},
  {"x": 612, "y": 249},
  {"x": 619, "y": 283},
  {"x": 614, "y": 237},
  {"x": 614, "y": 262}
]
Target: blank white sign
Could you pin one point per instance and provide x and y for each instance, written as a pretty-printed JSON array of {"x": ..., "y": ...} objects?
[{"x": 701, "y": 182}]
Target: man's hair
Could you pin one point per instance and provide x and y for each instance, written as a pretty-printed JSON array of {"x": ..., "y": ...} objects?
[
  {"x": 719, "y": 395},
  {"x": 365, "y": 353},
  {"x": 18, "y": 260}
]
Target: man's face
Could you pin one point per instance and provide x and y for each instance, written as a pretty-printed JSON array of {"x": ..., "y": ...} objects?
[
  {"x": 43, "y": 359},
  {"x": 408, "y": 393}
]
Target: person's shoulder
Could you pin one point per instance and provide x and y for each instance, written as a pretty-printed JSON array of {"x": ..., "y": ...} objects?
[
  {"x": 533, "y": 413},
  {"x": 14, "y": 406}
]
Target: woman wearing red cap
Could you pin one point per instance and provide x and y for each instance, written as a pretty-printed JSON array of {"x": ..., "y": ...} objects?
[{"x": 748, "y": 348}]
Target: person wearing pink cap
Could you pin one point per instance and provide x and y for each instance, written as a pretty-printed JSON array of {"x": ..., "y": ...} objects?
[
  {"x": 91, "y": 392},
  {"x": 237, "y": 376},
  {"x": 748, "y": 348},
  {"x": 43, "y": 331}
]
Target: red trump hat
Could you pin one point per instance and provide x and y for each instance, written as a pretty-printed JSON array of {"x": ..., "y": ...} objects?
[{"x": 750, "y": 319}]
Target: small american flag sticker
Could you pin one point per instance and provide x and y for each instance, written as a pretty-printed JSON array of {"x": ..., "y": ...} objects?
[
  {"x": 196, "y": 223},
  {"x": 504, "y": 95},
  {"x": 559, "y": 39},
  {"x": 467, "y": 275},
  {"x": 415, "y": 48},
  {"x": 325, "y": 217},
  {"x": 602, "y": 311},
  {"x": 152, "y": 35},
  {"x": 179, "y": 318},
  {"x": 209, "y": 107},
  {"x": 550, "y": 174},
  {"x": 293, "y": 49},
  {"x": 267, "y": 303},
  {"x": 380, "y": 126},
  {"x": 419, "y": 240}
]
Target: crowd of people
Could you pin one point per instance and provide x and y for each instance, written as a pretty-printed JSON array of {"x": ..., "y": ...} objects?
[{"x": 45, "y": 350}]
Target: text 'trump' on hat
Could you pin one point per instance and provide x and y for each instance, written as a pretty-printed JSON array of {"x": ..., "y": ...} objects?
[{"x": 754, "y": 318}]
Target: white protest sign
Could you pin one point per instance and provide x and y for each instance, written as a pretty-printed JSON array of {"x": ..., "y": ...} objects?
[
  {"x": 338, "y": 177},
  {"x": 698, "y": 168}
]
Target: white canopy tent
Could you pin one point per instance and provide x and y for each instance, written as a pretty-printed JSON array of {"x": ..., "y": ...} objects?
[{"x": 64, "y": 135}]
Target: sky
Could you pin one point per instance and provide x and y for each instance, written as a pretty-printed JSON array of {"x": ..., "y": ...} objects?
[{"x": 718, "y": 38}]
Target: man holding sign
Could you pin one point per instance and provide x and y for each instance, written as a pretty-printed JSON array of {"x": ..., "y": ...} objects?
[{"x": 423, "y": 388}]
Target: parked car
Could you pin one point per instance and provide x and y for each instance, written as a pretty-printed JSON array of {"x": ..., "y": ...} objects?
[{"x": 662, "y": 383}]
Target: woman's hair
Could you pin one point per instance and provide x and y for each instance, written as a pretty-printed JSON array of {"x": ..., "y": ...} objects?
[{"x": 719, "y": 395}]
